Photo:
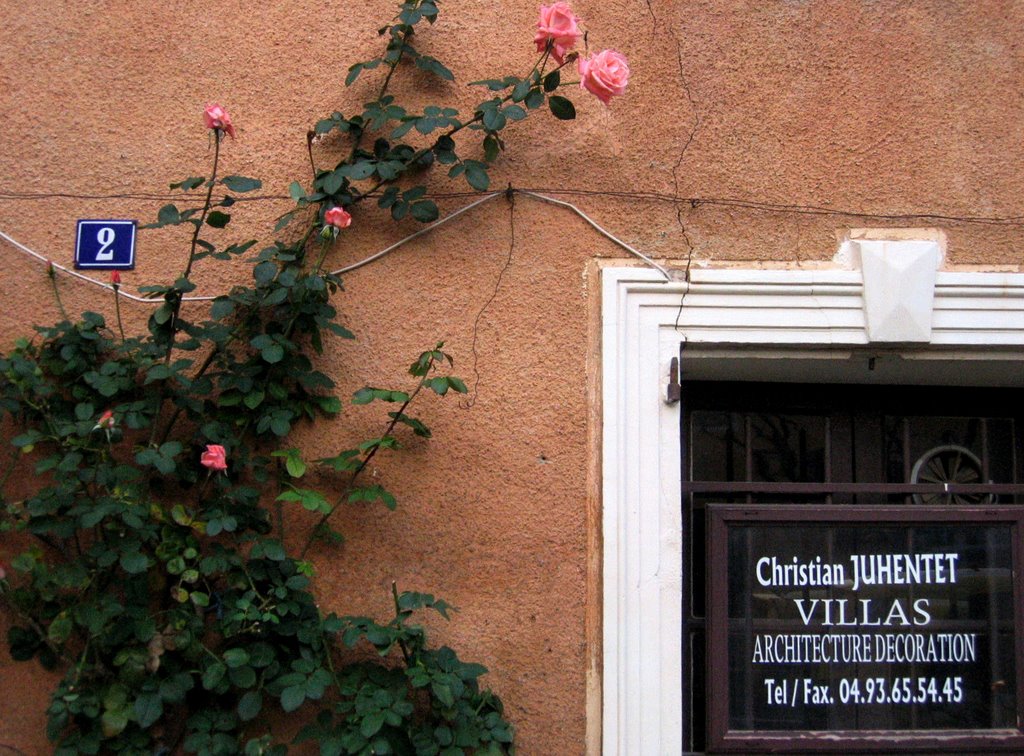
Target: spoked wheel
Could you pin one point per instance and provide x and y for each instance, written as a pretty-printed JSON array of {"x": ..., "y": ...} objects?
[{"x": 949, "y": 464}]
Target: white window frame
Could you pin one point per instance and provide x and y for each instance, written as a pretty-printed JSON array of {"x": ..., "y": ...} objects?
[{"x": 728, "y": 317}]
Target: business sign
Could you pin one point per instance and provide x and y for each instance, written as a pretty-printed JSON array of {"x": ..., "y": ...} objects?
[
  {"x": 105, "y": 244},
  {"x": 833, "y": 626}
]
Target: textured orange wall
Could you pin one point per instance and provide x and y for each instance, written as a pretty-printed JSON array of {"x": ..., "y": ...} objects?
[{"x": 860, "y": 107}]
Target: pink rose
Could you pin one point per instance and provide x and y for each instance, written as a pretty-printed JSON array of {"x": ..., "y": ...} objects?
[
  {"x": 115, "y": 278},
  {"x": 337, "y": 217},
  {"x": 605, "y": 74},
  {"x": 106, "y": 421},
  {"x": 215, "y": 458},
  {"x": 215, "y": 117},
  {"x": 559, "y": 25}
]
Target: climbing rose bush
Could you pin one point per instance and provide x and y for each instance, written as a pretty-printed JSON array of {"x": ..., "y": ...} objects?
[{"x": 175, "y": 590}]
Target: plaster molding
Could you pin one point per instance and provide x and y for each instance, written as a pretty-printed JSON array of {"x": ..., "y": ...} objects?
[
  {"x": 899, "y": 287},
  {"x": 785, "y": 316}
]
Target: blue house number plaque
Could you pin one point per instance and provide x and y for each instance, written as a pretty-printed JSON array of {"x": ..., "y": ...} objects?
[{"x": 105, "y": 244}]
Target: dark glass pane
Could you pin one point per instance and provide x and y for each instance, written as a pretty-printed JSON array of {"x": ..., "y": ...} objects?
[
  {"x": 787, "y": 448},
  {"x": 717, "y": 445},
  {"x": 999, "y": 443}
]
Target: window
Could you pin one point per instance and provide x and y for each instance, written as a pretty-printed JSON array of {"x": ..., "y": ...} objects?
[
  {"x": 738, "y": 324},
  {"x": 827, "y": 482}
]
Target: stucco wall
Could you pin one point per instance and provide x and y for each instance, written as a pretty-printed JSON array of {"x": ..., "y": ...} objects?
[{"x": 850, "y": 107}]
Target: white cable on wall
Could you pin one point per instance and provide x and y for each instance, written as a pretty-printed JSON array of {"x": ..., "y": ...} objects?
[
  {"x": 410, "y": 237},
  {"x": 365, "y": 261},
  {"x": 599, "y": 229}
]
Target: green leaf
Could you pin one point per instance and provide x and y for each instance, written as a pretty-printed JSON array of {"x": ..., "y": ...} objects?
[
  {"x": 26, "y": 440},
  {"x": 113, "y": 722},
  {"x": 60, "y": 629},
  {"x": 217, "y": 219},
  {"x": 236, "y": 657},
  {"x": 521, "y": 89},
  {"x": 496, "y": 85},
  {"x": 492, "y": 146},
  {"x": 333, "y": 181},
  {"x": 249, "y": 705},
  {"x": 241, "y": 183},
  {"x": 273, "y": 353},
  {"x": 514, "y": 113},
  {"x": 417, "y": 426},
  {"x": 329, "y": 405},
  {"x": 476, "y": 176},
  {"x": 168, "y": 214},
  {"x": 371, "y": 724},
  {"x": 265, "y": 272},
  {"x": 253, "y": 399},
  {"x": 295, "y": 466},
  {"x": 213, "y": 675},
  {"x": 283, "y": 221},
  {"x": 534, "y": 100},
  {"x": 493, "y": 119},
  {"x": 295, "y": 191},
  {"x": 424, "y": 211},
  {"x": 271, "y": 549},
  {"x": 426, "y": 63},
  {"x": 292, "y": 461},
  {"x": 293, "y": 697},
  {"x": 359, "y": 170},
  {"x": 561, "y": 108},
  {"x": 373, "y": 493},
  {"x": 134, "y": 562},
  {"x": 148, "y": 709},
  {"x": 552, "y": 80},
  {"x": 443, "y": 694},
  {"x": 222, "y": 307},
  {"x": 189, "y": 184},
  {"x": 312, "y": 500},
  {"x": 357, "y": 68},
  {"x": 280, "y": 424}
]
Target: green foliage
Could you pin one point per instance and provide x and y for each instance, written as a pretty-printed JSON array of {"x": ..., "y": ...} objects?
[
  {"x": 169, "y": 594},
  {"x": 399, "y": 151},
  {"x": 178, "y": 612}
]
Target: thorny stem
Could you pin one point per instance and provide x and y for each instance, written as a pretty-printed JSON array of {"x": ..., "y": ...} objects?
[
  {"x": 383, "y": 90},
  {"x": 320, "y": 260},
  {"x": 371, "y": 453},
  {"x": 206, "y": 204},
  {"x": 176, "y": 307},
  {"x": 117, "y": 309},
  {"x": 398, "y": 619},
  {"x": 310, "y": 136},
  {"x": 52, "y": 273}
]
